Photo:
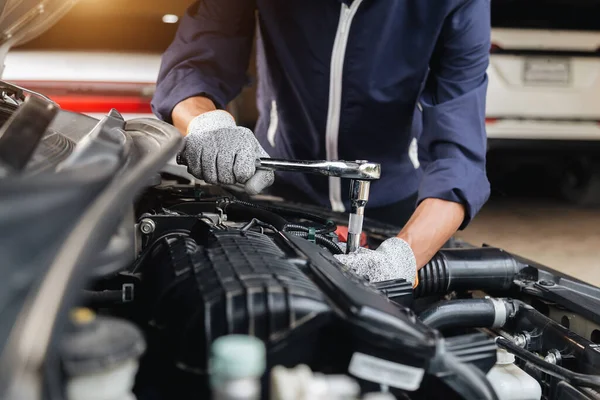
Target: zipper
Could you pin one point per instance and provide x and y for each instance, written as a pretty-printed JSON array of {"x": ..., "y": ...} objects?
[
  {"x": 273, "y": 123},
  {"x": 335, "y": 98}
]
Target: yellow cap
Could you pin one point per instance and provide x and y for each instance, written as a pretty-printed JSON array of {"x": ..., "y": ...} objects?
[{"x": 82, "y": 315}]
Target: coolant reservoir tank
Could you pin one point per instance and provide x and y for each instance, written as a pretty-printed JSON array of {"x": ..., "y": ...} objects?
[
  {"x": 100, "y": 355},
  {"x": 510, "y": 381}
]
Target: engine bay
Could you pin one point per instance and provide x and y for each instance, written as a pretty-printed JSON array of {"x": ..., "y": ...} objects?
[
  {"x": 141, "y": 276},
  {"x": 211, "y": 265}
]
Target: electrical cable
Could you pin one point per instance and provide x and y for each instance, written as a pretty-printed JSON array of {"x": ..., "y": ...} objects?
[
  {"x": 274, "y": 221},
  {"x": 257, "y": 222},
  {"x": 245, "y": 211},
  {"x": 302, "y": 228},
  {"x": 328, "y": 225},
  {"x": 322, "y": 240}
]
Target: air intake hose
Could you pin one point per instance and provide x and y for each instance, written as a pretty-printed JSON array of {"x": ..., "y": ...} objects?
[{"x": 482, "y": 268}]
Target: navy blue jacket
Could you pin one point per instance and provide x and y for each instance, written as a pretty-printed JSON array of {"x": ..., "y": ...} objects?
[{"x": 350, "y": 79}]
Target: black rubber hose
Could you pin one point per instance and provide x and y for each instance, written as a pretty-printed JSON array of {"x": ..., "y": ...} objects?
[
  {"x": 482, "y": 268},
  {"x": 322, "y": 240},
  {"x": 470, "y": 313},
  {"x": 460, "y": 314},
  {"x": 574, "y": 378}
]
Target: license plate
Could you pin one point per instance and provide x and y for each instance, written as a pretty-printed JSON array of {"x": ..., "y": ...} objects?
[{"x": 547, "y": 71}]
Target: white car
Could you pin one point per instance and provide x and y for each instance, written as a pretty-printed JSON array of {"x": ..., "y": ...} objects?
[
  {"x": 544, "y": 85},
  {"x": 544, "y": 74},
  {"x": 544, "y": 90}
]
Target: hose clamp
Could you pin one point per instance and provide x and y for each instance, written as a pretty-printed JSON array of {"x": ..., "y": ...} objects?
[{"x": 500, "y": 313}]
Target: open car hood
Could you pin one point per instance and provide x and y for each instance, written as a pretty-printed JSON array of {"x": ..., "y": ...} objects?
[{"x": 23, "y": 20}]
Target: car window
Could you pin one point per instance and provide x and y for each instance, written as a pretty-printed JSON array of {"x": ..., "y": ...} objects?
[{"x": 547, "y": 14}]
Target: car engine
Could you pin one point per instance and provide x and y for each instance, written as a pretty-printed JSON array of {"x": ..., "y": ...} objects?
[{"x": 211, "y": 265}]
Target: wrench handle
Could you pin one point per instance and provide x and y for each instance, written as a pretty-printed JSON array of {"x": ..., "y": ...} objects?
[{"x": 341, "y": 169}]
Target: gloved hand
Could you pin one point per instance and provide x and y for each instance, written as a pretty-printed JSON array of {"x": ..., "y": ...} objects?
[
  {"x": 220, "y": 152},
  {"x": 393, "y": 259}
]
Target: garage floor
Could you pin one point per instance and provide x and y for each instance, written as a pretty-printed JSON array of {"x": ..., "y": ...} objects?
[{"x": 560, "y": 236}]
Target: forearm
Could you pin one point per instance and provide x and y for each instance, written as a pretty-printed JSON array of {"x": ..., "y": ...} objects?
[
  {"x": 185, "y": 111},
  {"x": 431, "y": 225},
  {"x": 209, "y": 56}
]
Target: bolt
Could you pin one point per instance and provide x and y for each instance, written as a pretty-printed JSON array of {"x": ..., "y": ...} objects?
[
  {"x": 147, "y": 226},
  {"x": 553, "y": 357},
  {"x": 522, "y": 340},
  {"x": 550, "y": 358},
  {"x": 519, "y": 340}
]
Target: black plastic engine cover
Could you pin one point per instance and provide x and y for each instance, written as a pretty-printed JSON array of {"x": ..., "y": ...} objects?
[
  {"x": 236, "y": 282},
  {"x": 285, "y": 290}
]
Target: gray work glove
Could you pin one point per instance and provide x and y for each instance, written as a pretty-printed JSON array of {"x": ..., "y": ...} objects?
[
  {"x": 393, "y": 259},
  {"x": 220, "y": 152}
]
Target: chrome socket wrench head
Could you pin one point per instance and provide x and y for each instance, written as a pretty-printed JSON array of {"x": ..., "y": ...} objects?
[{"x": 359, "y": 196}]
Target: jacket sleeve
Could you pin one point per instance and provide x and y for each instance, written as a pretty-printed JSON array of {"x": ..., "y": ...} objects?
[
  {"x": 453, "y": 103},
  {"x": 209, "y": 55}
]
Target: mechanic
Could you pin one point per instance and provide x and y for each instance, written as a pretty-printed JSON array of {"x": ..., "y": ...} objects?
[{"x": 342, "y": 79}]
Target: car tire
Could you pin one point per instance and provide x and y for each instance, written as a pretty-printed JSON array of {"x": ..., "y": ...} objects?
[{"x": 580, "y": 183}]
